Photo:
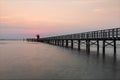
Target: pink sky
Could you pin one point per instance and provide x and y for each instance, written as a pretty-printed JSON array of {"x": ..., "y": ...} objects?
[{"x": 57, "y": 16}]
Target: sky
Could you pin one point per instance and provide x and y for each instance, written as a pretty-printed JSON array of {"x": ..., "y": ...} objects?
[{"x": 25, "y": 18}]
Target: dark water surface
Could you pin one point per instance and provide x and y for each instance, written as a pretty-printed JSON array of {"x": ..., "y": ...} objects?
[{"x": 31, "y": 60}]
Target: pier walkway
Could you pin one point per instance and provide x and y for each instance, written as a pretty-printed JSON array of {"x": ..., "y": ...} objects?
[{"x": 107, "y": 36}]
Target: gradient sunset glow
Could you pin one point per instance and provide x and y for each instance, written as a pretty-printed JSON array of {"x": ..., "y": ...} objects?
[{"x": 27, "y": 18}]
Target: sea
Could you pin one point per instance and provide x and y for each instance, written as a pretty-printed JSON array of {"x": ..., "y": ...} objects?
[{"x": 22, "y": 60}]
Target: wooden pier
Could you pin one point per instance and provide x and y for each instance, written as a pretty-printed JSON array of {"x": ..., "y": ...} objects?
[{"x": 107, "y": 37}]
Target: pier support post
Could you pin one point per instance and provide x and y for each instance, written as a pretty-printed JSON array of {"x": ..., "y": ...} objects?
[
  {"x": 103, "y": 48},
  {"x": 114, "y": 41},
  {"x": 79, "y": 44},
  {"x": 62, "y": 42},
  {"x": 66, "y": 43},
  {"x": 97, "y": 47},
  {"x": 71, "y": 43},
  {"x": 88, "y": 46},
  {"x": 48, "y": 41}
]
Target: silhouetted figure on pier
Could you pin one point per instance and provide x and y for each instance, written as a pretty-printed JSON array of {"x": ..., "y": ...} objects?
[{"x": 37, "y": 36}]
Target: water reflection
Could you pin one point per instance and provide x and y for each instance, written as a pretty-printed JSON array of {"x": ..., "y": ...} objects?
[{"x": 27, "y": 60}]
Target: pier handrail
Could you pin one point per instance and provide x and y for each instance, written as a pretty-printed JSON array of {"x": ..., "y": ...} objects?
[{"x": 100, "y": 34}]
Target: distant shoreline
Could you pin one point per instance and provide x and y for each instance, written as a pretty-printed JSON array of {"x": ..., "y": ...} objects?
[{"x": 11, "y": 39}]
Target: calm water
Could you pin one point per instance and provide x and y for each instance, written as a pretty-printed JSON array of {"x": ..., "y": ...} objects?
[{"x": 31, "y": 60}]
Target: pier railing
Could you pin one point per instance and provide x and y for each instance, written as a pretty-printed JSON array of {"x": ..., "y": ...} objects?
[{"x": 100, "y": 34}]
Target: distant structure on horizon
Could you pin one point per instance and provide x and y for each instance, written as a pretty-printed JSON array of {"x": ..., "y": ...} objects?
[{"x": 38, "y": 36}]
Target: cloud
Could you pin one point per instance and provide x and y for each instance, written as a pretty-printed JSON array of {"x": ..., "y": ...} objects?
[
  {"x": 100, "y": 11},
  {"x": 4, "y": 17}
]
